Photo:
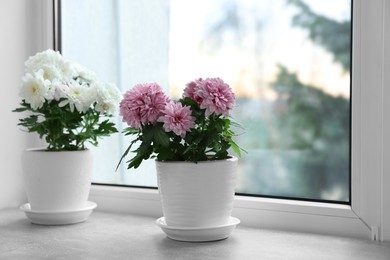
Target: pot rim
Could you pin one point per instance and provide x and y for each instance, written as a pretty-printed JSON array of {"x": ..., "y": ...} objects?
[
  {"x": 231, "y": 159},
  {"x": 44, "y": 149}
]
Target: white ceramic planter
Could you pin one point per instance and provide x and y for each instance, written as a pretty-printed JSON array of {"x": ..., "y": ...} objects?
[
  {"x": 57, "y": 181},
  {"x": 197, "y": 195}
]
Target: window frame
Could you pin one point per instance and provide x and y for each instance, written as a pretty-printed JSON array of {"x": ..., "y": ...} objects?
[{"x": 368, "y": 215}]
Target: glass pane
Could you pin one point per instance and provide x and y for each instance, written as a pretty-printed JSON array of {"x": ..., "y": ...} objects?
[{"x": 288, "y": 62}]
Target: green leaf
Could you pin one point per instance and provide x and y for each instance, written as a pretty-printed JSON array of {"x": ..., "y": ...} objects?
[
  {"x": 135, "y": 162},
  {"x": 235, "y": 148},
  {"x": 126, "y": 152},
  {"x": 164, "y": 154},
  {"x": 20, "y": 109},
  {"x": 189, "y": 102},
  {"x": 161, "y": 137},
  {"x": 227, "y": 123},
  {"x": 130, "y": 131},
  {"x": 148, "y": 133},
  {"x": 144, "y": 150}
]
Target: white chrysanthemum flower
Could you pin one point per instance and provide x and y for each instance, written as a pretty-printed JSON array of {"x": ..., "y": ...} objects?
[
  {"x": 108, "y": 97},
  {"x": 71, "y": 84},
  {"x": 52, "y": 63},
  {"x": 51, "y": 72},
  {"x": 34, "y": 89},
  {"x": 78, "y": 96},
  {"x": 41, "y": 59},
  {"x": 58, "y": 90},
  {"x": 83, "y": 74},
  {"x": 67, "y": 69}
]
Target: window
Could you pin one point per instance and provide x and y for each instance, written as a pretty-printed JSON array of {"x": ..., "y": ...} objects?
[
  {"x": 288, "y": 61},
  {"x": 369, "y": 209}
]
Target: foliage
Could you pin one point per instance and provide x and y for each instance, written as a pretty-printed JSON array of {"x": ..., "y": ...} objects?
[
  {"x": 314, "y": 119},
  {"x": 332, "y": 35},
  {"x": 64, "y": 130},
  {"x": 66, "y": 104}
]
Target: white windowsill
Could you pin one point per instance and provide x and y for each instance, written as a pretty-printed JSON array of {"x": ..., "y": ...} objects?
[
  {"x": 312, "y": 217},
  {"x": 122, "y": 236}
]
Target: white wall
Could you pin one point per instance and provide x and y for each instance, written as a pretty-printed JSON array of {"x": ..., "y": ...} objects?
[{"x": 21, "y": 36}]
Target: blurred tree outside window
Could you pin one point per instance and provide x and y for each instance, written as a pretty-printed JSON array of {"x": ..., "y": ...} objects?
[{"x": 288, "y": 61}]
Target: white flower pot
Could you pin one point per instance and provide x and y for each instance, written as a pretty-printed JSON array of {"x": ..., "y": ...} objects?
[
  {"x": 57, "y": 181},
  {"x": 197, "y": 195}
]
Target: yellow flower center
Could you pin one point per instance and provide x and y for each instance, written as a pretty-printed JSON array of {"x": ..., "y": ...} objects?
[
  {"x": 46, "y": 74},
  {"x": 106, "y": 107},
  {"x": 34, "y": 89}
]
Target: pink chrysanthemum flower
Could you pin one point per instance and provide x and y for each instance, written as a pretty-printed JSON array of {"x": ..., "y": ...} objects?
[
  {"x": 143, "y": 104},
  {"x": 212, "y": 94},
  {"x": 177, "y": 119},
  {"x": 191, "y": 90}
]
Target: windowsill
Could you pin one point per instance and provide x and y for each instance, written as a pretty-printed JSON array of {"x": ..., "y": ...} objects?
[
  {"x": 286, "y": 215},
  {"x": 125, "y": 236}
]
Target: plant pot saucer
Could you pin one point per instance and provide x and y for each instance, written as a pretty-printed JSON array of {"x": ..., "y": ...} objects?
[
  {"x": 58, "y": 217},
  {"x": 198, "y": 234}
]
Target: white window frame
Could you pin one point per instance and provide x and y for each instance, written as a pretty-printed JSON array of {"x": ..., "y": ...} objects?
[{"x": 369, "y": 214}]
